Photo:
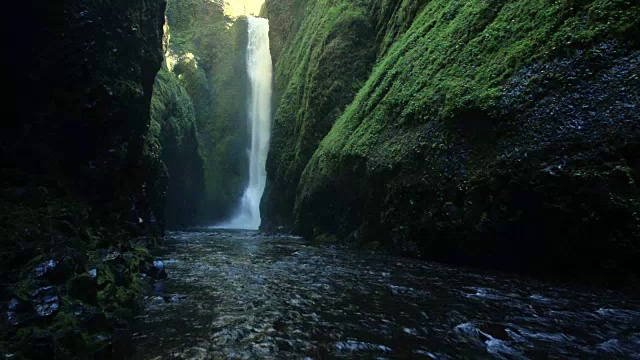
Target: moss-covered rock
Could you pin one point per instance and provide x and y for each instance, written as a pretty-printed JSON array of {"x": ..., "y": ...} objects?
[
  {"x": 323, "y": 53},
  {"x": 76, "y": 178},
  {"x": 491, "y": 133},
  {"x": 174, "y": 136},
  {"x": 206, "y": 55}
]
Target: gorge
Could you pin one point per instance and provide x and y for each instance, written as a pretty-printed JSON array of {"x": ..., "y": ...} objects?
[{"x": 321, "y": 179}]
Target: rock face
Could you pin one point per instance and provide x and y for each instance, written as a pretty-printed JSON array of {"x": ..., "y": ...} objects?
[
  {"x": 487, "y": 133},
  {"x": 205, "y": 60},
  {"x": 321, "y": 60},
  {"x": 88, "y": 69},
  {"x": 174, "y": 136},
  {"x": 77, "y": 180}
]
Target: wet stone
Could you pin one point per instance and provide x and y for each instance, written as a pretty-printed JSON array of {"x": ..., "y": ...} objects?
[
  {"x": 174, "y": 298},
  {"x": 19, "y": 312},
  {"x": 55, "y": 271},
  {"x": 122, "y": 339},
  {"x": 104, "y": 353},
  {"x": 45, "y": 300},
  {"x": 72, "y": 339},
  {"x": 157, "y": 271},
  {"x": 495, "y": 331},
  {"x": 121, "y": 275},
  {"x": 113, "y": 257},
  {"x": 158, "y": 265},
  {"x": 44, "y": 268}
]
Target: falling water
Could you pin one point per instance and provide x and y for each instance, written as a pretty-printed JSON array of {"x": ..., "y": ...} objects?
[{"x": 259, "y": 110}]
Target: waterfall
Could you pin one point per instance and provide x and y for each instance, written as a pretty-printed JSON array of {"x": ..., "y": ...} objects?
[{"x": 259, "y": 69}]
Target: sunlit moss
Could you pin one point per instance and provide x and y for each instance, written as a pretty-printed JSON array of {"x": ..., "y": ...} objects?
[{"x": 457, "y": 56}]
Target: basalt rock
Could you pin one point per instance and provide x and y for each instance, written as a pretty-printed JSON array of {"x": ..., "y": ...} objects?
[
  {"x": 45, "y": 301},
  {"x": 19, "y": 311},
  {"x": 481, "y": 135},
  {"x": 75, "y": 173},
  {"x": 156, "y": 271}
]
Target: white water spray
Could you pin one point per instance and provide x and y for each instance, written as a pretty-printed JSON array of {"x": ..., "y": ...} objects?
[{"x": 259, "y": 69}]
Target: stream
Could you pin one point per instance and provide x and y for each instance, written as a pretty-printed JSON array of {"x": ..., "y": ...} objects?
[{"x": 243, "y": 295}]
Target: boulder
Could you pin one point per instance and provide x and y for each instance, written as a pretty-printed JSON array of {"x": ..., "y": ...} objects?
[
  {"x": 45, "y": 301},
  {"x": 156, "y": 271},
  {"x": 19, "y": 312}
]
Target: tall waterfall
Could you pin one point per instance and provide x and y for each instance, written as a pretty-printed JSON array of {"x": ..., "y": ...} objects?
[{"x": 259, "y": 69}]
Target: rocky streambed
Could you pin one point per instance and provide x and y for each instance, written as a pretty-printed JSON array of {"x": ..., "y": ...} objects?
[{"x": 246, "y": 295}]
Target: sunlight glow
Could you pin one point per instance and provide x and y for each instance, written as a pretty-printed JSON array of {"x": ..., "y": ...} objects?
[{"x": 237, "y": 8}]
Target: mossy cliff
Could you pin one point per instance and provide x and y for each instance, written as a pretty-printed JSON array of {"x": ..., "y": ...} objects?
[
  {"x": 81, "y": 193},
  {"x": 322, "y": 55},
  {"x": 173, "y": 136},
  {"x": 490, "y": 133},
  {"x": 206, "y": 58}
]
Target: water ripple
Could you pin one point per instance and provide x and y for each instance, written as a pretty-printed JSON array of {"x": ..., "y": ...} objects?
[{"x": 246, "y": 296}]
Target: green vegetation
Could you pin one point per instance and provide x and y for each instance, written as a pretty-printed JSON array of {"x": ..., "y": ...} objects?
[
  {"x": 173, "y": 130},
  {"x": 205, "y": 59},
  {"x": 317, "y": 73},
  {"x": 79, "y": 190},
  {"x": 458, "y": 57},
  {"x": 39, "y": 225},
  {"x": 478, "y": 128}
]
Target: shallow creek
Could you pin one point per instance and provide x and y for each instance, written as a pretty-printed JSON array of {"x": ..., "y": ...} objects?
[{"x": 245, "y": 295}]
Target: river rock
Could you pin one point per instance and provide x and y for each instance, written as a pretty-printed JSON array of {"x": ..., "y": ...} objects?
[
  {"x": 121, "y": 275},
  {"x": 72, "y": 339},
  {"x": 45, "y": 300},
  {"x": 59, "y": 268},
  {"x": 122, "y": 340},
  {"x": 19, "y": 312},
  {"x": 41, "y": 270},
  {"x": 156, "y": 271}
]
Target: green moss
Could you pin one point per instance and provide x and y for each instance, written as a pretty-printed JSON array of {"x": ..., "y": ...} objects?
[
  {"x": 456, "y": 57},
  {"x": 468, "y": 127},
  {"x": 225, "y": 135},
  {"x": 173, "y": 139},
  {"x": 206, "y": 55},
  {"x": 318, "y": 70},
  {"x": 63, "y": 321}
]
